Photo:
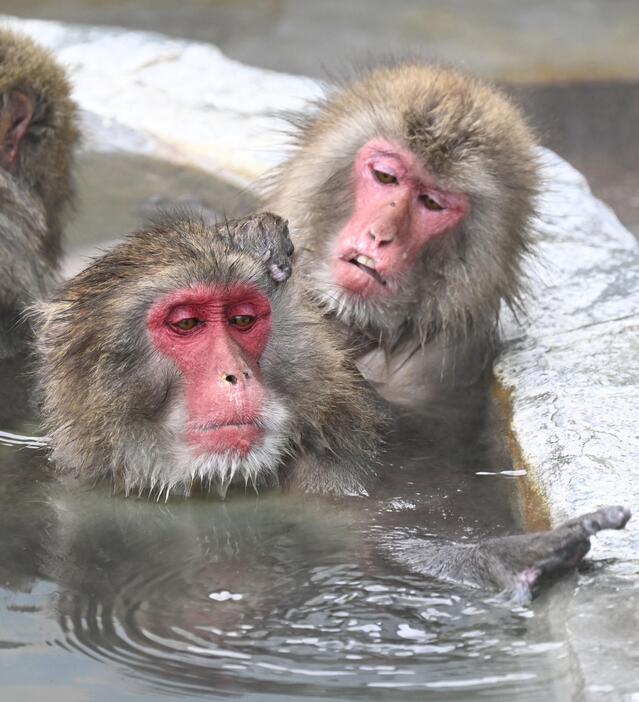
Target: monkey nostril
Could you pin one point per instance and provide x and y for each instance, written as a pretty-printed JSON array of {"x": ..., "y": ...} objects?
[
  {"x": 246, "y": 375},
  {"x": 230, "y": 378},
  {"x": 381, "y": 239}
]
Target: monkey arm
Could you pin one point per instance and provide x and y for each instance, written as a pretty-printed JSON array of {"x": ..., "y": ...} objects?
[{"x": 515, "y": 565}]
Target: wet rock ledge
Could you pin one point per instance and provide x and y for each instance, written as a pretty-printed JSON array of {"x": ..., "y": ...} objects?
[{"x": 571, "y": 367}]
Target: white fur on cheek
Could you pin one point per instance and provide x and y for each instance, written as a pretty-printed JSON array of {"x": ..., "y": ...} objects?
[{"x": 164, "y": 464}]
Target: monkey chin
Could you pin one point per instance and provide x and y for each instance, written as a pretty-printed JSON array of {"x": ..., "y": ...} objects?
[
  {"x": 177, "y": 465},
  {"x": 387, "y": 312}
]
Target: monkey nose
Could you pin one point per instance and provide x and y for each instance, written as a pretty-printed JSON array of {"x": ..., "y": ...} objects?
[
  {"x": 381, "y": 238},
  {"x": 234, "y": 378}
]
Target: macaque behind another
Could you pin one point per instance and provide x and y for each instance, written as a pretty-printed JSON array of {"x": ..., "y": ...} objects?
[{"x": 410, "y": 197}]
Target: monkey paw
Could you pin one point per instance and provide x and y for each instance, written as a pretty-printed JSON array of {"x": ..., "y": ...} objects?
[
  {"x": 545, "y": 556},
  {"x": 266, "y": 236}
]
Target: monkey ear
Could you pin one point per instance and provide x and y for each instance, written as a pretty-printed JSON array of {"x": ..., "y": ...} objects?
[{"x": 14, "y": 122}]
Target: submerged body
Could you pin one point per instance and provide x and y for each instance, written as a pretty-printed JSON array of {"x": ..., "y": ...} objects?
[{"x": 179, "y": 360}]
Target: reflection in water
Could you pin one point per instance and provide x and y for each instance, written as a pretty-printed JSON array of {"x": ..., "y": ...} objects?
[{"x": 253, "y": 595}]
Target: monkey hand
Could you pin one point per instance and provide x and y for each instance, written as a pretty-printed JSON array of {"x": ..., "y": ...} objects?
[
  {"x": 520, "y": 565},
  {"x": 266, "y": 236}
]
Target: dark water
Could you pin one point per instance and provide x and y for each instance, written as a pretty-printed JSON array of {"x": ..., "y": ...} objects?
[
  {"x": 538, "y": 41},
  {"x": 117, "y": 192}
]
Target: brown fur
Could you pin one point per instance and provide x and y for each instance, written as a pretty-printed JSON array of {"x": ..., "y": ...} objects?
[
  {"x": 472, "y": 139},
  {"x": 35, "y": 195},
  {"x": 106, "y": 391},
  {"x": 46, "y": 155}
]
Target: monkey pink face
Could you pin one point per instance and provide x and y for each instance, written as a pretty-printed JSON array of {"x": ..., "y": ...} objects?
[
  {"x": 398, "y": 209},
  {"x": 215, "y": 335}
]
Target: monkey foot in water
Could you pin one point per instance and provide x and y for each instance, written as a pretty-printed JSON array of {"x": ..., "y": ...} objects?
[{"x": 516, "y": 565}]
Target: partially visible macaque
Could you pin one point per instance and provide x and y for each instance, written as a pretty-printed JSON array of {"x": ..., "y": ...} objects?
[
  {"x": 410, "y": 197},
  {"x": 180, "y": 358},
  {"x": 38, "y": 132}
]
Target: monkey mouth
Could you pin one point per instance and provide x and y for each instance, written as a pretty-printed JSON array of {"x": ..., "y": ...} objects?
[
  {"x": 214, "y": 426},
  {"x": 221, "y": 437},
  {"x": 367, "y": 265}
]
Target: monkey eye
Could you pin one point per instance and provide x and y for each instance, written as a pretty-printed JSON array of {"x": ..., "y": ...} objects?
[
  {"x": 242, "y": 321},
  {"x": 384, "y": 178},
  {"x": 185, "y": 325},
  {"x": 429, "y": 203}
]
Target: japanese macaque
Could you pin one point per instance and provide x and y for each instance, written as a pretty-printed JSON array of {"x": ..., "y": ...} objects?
[
  {"x": 38, "y": 132},
  {"x": 410, "y": 197},
  {"x": 181, "y": 358}
]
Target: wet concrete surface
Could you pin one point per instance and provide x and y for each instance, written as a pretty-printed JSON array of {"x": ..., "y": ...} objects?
[{"x": 574, "y": 65}]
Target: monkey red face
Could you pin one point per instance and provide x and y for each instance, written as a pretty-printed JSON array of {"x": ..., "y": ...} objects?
[
  {"x": 215, "y": 335},
  {"x": 398, "y": 210}
]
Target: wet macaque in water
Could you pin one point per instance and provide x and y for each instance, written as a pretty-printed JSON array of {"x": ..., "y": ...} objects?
[
  {"x": 410, "y": 198},
  {"x": 38, "y": 132},
  {"x": 183, "y": 357}
]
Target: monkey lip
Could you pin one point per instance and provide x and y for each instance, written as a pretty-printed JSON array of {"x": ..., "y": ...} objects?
[
  {"x": 367, "y": 265},
  {"x": 217, "y": 437}
]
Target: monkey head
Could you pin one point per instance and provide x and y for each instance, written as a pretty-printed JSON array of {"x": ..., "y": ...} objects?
[
  {"x": 38, "y": 122},
  {"x": 410, "y": 197},
  {"x": 178, "y": 357}
]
